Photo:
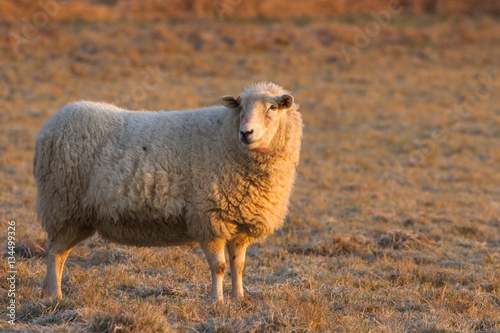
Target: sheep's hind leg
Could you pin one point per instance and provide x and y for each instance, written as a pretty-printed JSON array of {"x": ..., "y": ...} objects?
[
  {"x": 58, "y": 249},
  {"x": 237, "y": 248},
  {"x": 214, "y": 251}
]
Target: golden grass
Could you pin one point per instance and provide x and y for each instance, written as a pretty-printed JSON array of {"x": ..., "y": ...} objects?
[
  {"x": 115, "y": 10},
  {"x": 391, "y": 227}
]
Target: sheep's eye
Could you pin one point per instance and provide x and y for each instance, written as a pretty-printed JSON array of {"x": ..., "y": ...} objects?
[{"x": 273, "y": 107}]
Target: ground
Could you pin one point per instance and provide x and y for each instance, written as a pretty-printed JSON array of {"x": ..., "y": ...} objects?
[{"x": 394, "y": 221}]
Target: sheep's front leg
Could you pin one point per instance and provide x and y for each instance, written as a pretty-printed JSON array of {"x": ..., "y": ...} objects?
[
  {"x": 214, "y": 251},
  {"x": 237, "y": 249}
]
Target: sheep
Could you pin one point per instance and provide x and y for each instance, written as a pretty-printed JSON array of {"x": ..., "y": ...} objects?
[{"x": 218, "y": 176}]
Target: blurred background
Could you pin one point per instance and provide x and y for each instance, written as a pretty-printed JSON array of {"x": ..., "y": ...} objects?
[{"x": 395, "y": 217}]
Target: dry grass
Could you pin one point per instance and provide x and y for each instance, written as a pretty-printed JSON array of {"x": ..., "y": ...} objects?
[
  {"x": 388, "y": 230},
  {"x": 115, "y": 10}
]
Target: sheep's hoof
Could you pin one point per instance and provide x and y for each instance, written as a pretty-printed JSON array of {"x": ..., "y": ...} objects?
[
  {"x": 47, "y": 293},
  {"x": 237, "y": 297},
  {"x": 216, "y": 300}
]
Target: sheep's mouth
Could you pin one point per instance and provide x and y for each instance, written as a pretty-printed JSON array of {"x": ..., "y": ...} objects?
[
  {"x": 246, "y": 141},
  {"x": 251, "y": 144}
]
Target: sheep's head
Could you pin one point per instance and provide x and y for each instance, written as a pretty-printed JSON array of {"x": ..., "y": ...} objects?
[{"x": 261, "y": 108}]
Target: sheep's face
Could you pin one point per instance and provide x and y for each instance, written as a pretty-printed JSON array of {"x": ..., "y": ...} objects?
[{"x": 260, "y": 116}]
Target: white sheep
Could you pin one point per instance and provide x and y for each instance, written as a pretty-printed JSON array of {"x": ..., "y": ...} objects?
[{"x": 218, "y": 176}]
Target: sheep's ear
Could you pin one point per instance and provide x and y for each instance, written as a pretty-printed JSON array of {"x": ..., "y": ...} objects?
[
  {"x": 285, "y": 102},
  {"x": 230, "y": 102}
]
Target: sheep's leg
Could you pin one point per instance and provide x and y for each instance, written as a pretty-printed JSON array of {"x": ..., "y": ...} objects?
[
  {"x": 237, "y": 248},
  {"x": 55, "y": 264},
  {"x": 57, "y": 253},
  {"x": 214, "y": 252}
]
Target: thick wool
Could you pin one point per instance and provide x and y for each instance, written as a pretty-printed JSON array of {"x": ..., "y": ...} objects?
[{"x": 162, "y": 178}]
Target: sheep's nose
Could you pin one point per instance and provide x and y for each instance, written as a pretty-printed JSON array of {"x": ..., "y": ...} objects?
[{"x": 244, "y": 135}]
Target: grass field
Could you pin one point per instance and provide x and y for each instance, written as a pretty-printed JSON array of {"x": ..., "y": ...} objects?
[{"x": 394, "y": 221}]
